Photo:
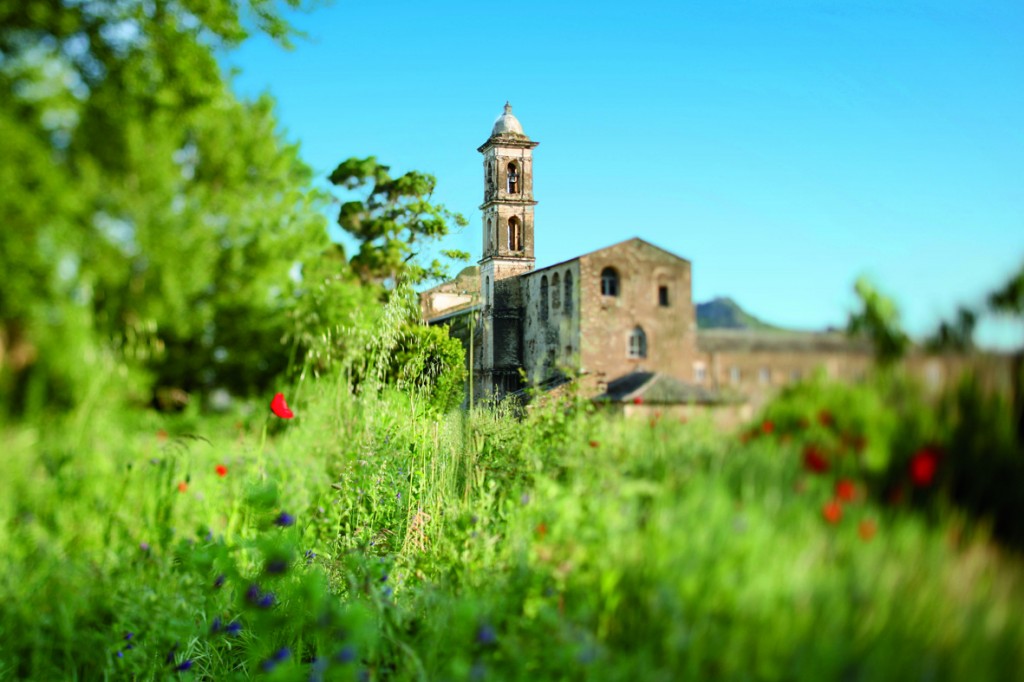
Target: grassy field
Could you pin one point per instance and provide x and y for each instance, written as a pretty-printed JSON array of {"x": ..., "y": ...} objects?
[{"x": 369, "y": 539}]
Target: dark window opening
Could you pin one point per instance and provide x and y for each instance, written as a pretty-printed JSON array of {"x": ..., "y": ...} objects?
[
  {"x": 556, "y": 292},
  {"x": 663, "y": 296},
  {"x": 568, "y": 293},
  {"x": 637, "y": 343},
  {"x": 609, "y": 282},
  {"x": 544, "y": 297}
]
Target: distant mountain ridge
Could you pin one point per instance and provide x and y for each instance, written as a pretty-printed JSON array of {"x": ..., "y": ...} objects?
[{"x": 725, "y": 313}]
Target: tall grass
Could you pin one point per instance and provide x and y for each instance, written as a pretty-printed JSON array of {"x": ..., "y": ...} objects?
[{"x": 374, "y": 538}]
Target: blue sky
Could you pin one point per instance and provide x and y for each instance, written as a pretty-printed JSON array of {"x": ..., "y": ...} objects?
[{"x": 785, "y": 147}]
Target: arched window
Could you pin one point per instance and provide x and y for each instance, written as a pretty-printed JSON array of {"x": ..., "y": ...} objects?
[
  {"x": 492, "y": 239},
  {"x": 637, "y": 343},
  {"x": 609, "y": 282},
  {"x": 544, "y": 297},
  {"x": 556, "y": 292},
  {"x": 568, "y": 292},
  {"x": 513, "y": 179},
  {"x": 515, "y": 234},
  {"x": 487, "y": 291}
]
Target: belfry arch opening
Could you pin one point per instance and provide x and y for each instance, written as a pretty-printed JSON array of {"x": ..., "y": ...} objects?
[
  {"x": 515, "y": 234},
  {"x": 513, "y": 178}
]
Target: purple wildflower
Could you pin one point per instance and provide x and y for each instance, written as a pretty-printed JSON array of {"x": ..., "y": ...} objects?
[
  {"x": 144, "y": 546},
  {"x": 277, "y": 566},
  {"x": 184, "y": 665},
  {"x": 233, "y": 628},
  {"x": 284, "y": 519}
]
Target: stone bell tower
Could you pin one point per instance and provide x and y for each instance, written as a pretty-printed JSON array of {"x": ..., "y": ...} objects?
[{"x": 507, "y": 252}]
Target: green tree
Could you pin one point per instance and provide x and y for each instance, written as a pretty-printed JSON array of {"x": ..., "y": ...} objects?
[
  {"x": 393, "y": 222},
  {"x": 878, "y": 320},
  {"x": 142, "y": 202}
]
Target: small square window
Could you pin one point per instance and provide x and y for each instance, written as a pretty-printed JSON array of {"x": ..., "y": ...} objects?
[{"x": 663, "y": 296}]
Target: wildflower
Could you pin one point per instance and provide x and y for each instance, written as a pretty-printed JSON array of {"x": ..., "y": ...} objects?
[
  {"x": 169, "y": 659},
  {"x": 182, "y": 487},
  {"x": 387, "y": 592},
  {"x": 215, "y": 626},
  {"x": 922, "y": 467},
  {"x": 814, "y": 460},
  {"x": 542, "y": 530},
  {"x": 266, "y": 601},
  {"x": 144, "y": 546},
  {"x": 832, "y": 511},
  {"x": 866, "y": 529},
  {"x": 846, "y": 490},
  {"x": 525, "y": 498},
  {"x": 161, "y": 434},
  {"x": 284, "y": 519},
  {"x": 767, "y": 427},
  {"x": 233, "y": 628},
  {"x": 486, "y": 635},
  {"x": 346, "y": 655},
  {"x": 280, "y": 656},
  {"x": 594, "y": 443},
  {"x": 221, "y": 470},
  {"x": 218, "y": 582},
  {"x": 184, "y": 665},
  {"x": 277, "y": 566},
  {"x": 310, "y": 555},
  {"x": 638, "y": 400},
  {"x": 280, "y": 408},
  {"x": 128, "y": 635}
]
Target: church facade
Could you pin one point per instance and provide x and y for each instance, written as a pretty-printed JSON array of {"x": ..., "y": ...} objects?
[{"x": 621, "y": 319}]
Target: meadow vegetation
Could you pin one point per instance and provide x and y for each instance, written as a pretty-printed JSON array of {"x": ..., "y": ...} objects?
[{"x": 380, "y": 535}]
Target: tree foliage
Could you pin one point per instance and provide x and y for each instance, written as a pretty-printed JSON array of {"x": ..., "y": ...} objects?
[
  {"x": 878, "y": 320},
  {"x": 393, "y": 222},
  {"x": 141, "y": 200}
]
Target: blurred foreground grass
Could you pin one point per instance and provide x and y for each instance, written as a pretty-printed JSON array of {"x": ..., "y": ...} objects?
[{"x": 370, "y": 539}]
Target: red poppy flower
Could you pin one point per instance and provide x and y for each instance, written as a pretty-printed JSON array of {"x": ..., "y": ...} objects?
[
  {"x": 846, "y": 490},
  {"x": 542, "y": 530},
  {"x": 814, "y": 460},
  {"x": 221, "y": 470},
  {"x": 182, "y": 487},
  {"x": 832, "y": 511},
  {"x": 161, "y": 434},
  {"x": 594, "y": 443},
  {"x": 638, "y": 400},
  {"x": 767, "y": 426},
  {"x": 866, "y": 529},
  {"x": 280, "y": 408},
  {"x": 923, "y": 466}
]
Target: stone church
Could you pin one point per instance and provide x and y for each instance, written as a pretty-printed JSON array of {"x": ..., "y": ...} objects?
[{"x": 620, "y": 319}]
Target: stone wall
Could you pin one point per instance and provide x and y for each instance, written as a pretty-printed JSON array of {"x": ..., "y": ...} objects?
[{"x": 607, "y": 321}]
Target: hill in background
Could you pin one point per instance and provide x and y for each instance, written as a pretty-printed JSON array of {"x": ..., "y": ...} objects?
[{"x": 725, "y": 313}]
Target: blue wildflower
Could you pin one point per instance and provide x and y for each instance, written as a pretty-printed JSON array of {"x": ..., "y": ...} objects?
[
  {"x": 284, "y": 519},
  {"x": 120, "y": 654},
  {"x": 280, "y": 656},
  {"x": 266, "y": 601},
  {"x": 486, "y": 635},
  {"x": 184, "y": 665},
  {"x": 277, "y": 566},
  {"x": 216, "y": 625},
  {"x": 310, "y": 555},
  {"x": 128, "y": 635},
  {"x": 233, "y": 628},
  {"x": 170, "y": 654},
  {"x": 346, "y": 655},
  {"x": 218, "y": 582}
]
